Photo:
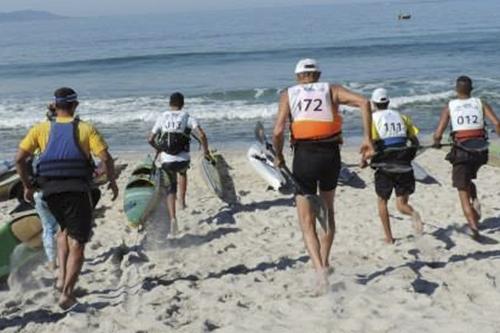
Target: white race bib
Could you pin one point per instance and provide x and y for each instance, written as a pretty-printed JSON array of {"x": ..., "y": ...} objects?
[
  {"x": 466, "y": 114},
  {"x": 389, "y": 124},
  {"x": 174, "y": 122},
  {"x": 311, "y": 102}
]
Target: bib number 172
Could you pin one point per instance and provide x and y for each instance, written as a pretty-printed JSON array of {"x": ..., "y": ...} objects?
[{"x": 309, "y": 104}]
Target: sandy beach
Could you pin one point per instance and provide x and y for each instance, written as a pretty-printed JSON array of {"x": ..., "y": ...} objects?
[{"x": 243, "y": 268}]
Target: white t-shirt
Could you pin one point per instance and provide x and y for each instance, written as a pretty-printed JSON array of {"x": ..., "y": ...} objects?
[{"x": 174, "y": 121}]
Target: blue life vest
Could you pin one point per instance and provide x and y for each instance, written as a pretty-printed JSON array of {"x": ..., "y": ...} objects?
[
  {"x": 394, "y": 142},
  {"x": 63, "y": 158}
]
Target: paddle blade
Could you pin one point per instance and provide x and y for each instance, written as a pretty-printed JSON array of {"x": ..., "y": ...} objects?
[{"x": 260, "y": 134}]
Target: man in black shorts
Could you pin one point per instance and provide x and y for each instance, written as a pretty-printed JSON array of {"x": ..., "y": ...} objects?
[
  {"x": 390, "y": 133},
  {"x": 469, "y": 152},
  {"x": 64, "y": 174},
  {"x": 316, "y": 129}
]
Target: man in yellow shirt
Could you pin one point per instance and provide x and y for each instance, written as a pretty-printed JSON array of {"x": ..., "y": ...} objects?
[
  {"x": 390, "y": 132},
  {"x": 64, "y": 173}
]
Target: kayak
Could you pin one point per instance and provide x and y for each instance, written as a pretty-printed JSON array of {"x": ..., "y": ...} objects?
[
  {"x": 263, "y": 165},
  {"x": 10, "y": 185},
  {"x": 25, "y": 229},
  {"x": 142, "y": 193},
  {"x": 494, "y": 154},
  {"x": 212, "y": 175}
]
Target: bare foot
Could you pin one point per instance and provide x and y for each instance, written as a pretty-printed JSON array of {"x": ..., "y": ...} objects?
[
  {"x": 66, "y": 302},
  {"x": 418, "y": 225},
  {"x": 322, "y": 282},
  {"x": 475, "y": 234},
  {"x": 390, "y": 241},
  {"x": 174, "y": 229},
  {"x": 183, "y": 205}
]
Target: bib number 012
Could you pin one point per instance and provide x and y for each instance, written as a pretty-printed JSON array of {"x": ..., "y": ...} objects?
[
  {"x": 467, "y": 120},
  {"x": 309, "y": 104}
]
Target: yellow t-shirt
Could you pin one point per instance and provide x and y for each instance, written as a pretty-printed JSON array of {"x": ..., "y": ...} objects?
[
  {"x": 90, "y": 140},
  {"x": 411, "y": 130}
]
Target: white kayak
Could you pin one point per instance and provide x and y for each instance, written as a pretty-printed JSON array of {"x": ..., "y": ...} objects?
[{"x": 263, "y": 165}]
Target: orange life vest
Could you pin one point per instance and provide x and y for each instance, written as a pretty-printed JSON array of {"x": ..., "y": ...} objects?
[{"x": 313, "y": 114}]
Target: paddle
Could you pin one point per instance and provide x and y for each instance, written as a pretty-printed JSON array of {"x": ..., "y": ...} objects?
[
  {"x": 315, "y": 201},
  {"x": 396, "y": 167}
]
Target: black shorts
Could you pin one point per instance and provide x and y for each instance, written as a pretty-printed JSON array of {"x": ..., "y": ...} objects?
[
  {"x": 465, "y": 166},
  {"x": 402, "y": 183},
  {"x": 170, "y": 171},
  {"x": 73, "y": 212},
  {"x": 315, "y": 166}
]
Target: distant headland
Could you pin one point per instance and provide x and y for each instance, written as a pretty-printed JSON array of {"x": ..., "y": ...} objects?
[{"x": 28, "y": 15}]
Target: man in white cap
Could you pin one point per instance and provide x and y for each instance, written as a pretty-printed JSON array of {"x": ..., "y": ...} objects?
[
  {"x": 316, "y": 132},
  {"x": 392, "y": 130}
]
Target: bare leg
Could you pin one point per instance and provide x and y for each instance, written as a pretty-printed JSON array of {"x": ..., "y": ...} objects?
[
  {"x": 171, "y": 198},
  {"x": 307, "y": 222},
  {"x": 182, "y": 180},
  {"x": 475, "y": 200},
  {"x": 73, "y": 267},
  {"x": 383, "y": 212},
  {"x": 62, "y": 256},
  {"x": 326, "y": 239},
  {"x": 470, "y": 214},
  {"x": 405, "y": 208}
]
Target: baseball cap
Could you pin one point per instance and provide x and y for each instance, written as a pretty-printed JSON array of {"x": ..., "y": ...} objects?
[
  {"x": 379, "y": 95},
  {"x": 307, "y": 65}
]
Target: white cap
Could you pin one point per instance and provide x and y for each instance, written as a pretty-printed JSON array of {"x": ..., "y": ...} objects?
[
  {"x": 307, "y": 65},
  {"x": 379, "y": 95}
]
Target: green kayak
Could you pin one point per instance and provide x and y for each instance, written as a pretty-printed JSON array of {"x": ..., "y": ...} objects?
[
  {"x": 142, "y": 193},
  {"x": 25, "y": 230}
]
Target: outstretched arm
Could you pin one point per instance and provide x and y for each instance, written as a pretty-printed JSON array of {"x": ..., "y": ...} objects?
[
  {"x": 151, "y": 140},
  {"x": 203, "y": 140},
  {"x": 342, "y": 95},
  {"x": 22, "y": 157},
  {"x": 490, "y": 114},
  {"x": 279, "y": 128},
  {"x": 106, "y": 158},
  {"x": 443, "y": 123}
]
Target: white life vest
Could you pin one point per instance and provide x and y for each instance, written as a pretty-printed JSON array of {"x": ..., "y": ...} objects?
[
  {"x": 313, "y": 114},
  {"x": 466, "y": 114},
  {"x": 390, "y": 127}
]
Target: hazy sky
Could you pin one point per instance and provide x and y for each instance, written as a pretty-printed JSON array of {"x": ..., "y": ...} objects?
[{"x": 124, "y": 7}]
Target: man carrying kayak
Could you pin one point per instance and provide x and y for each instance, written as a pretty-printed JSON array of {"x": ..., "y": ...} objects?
[
  {"x": 64, "y": 174},
  {"x": 391, "y": 132},
  {"x": 470, "y": 145},
  {"x": 171, "y": 137},
  {"x": 316, "y": 130}
]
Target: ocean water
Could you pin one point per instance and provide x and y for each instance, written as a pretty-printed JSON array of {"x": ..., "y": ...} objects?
[{"x": 231, "y": 65}]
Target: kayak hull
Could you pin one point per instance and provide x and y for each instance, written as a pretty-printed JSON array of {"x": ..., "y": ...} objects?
[
  {"x": 142, "y": 193},
  {"x": 25, "y": 229},
  {"x": 212, "y": 176},
  {"x": 9, "y": 185},
  {"x": 265, "y": 168}
]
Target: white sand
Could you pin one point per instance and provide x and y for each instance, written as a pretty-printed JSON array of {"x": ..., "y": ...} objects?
[{"x": 244, "y": 268}]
